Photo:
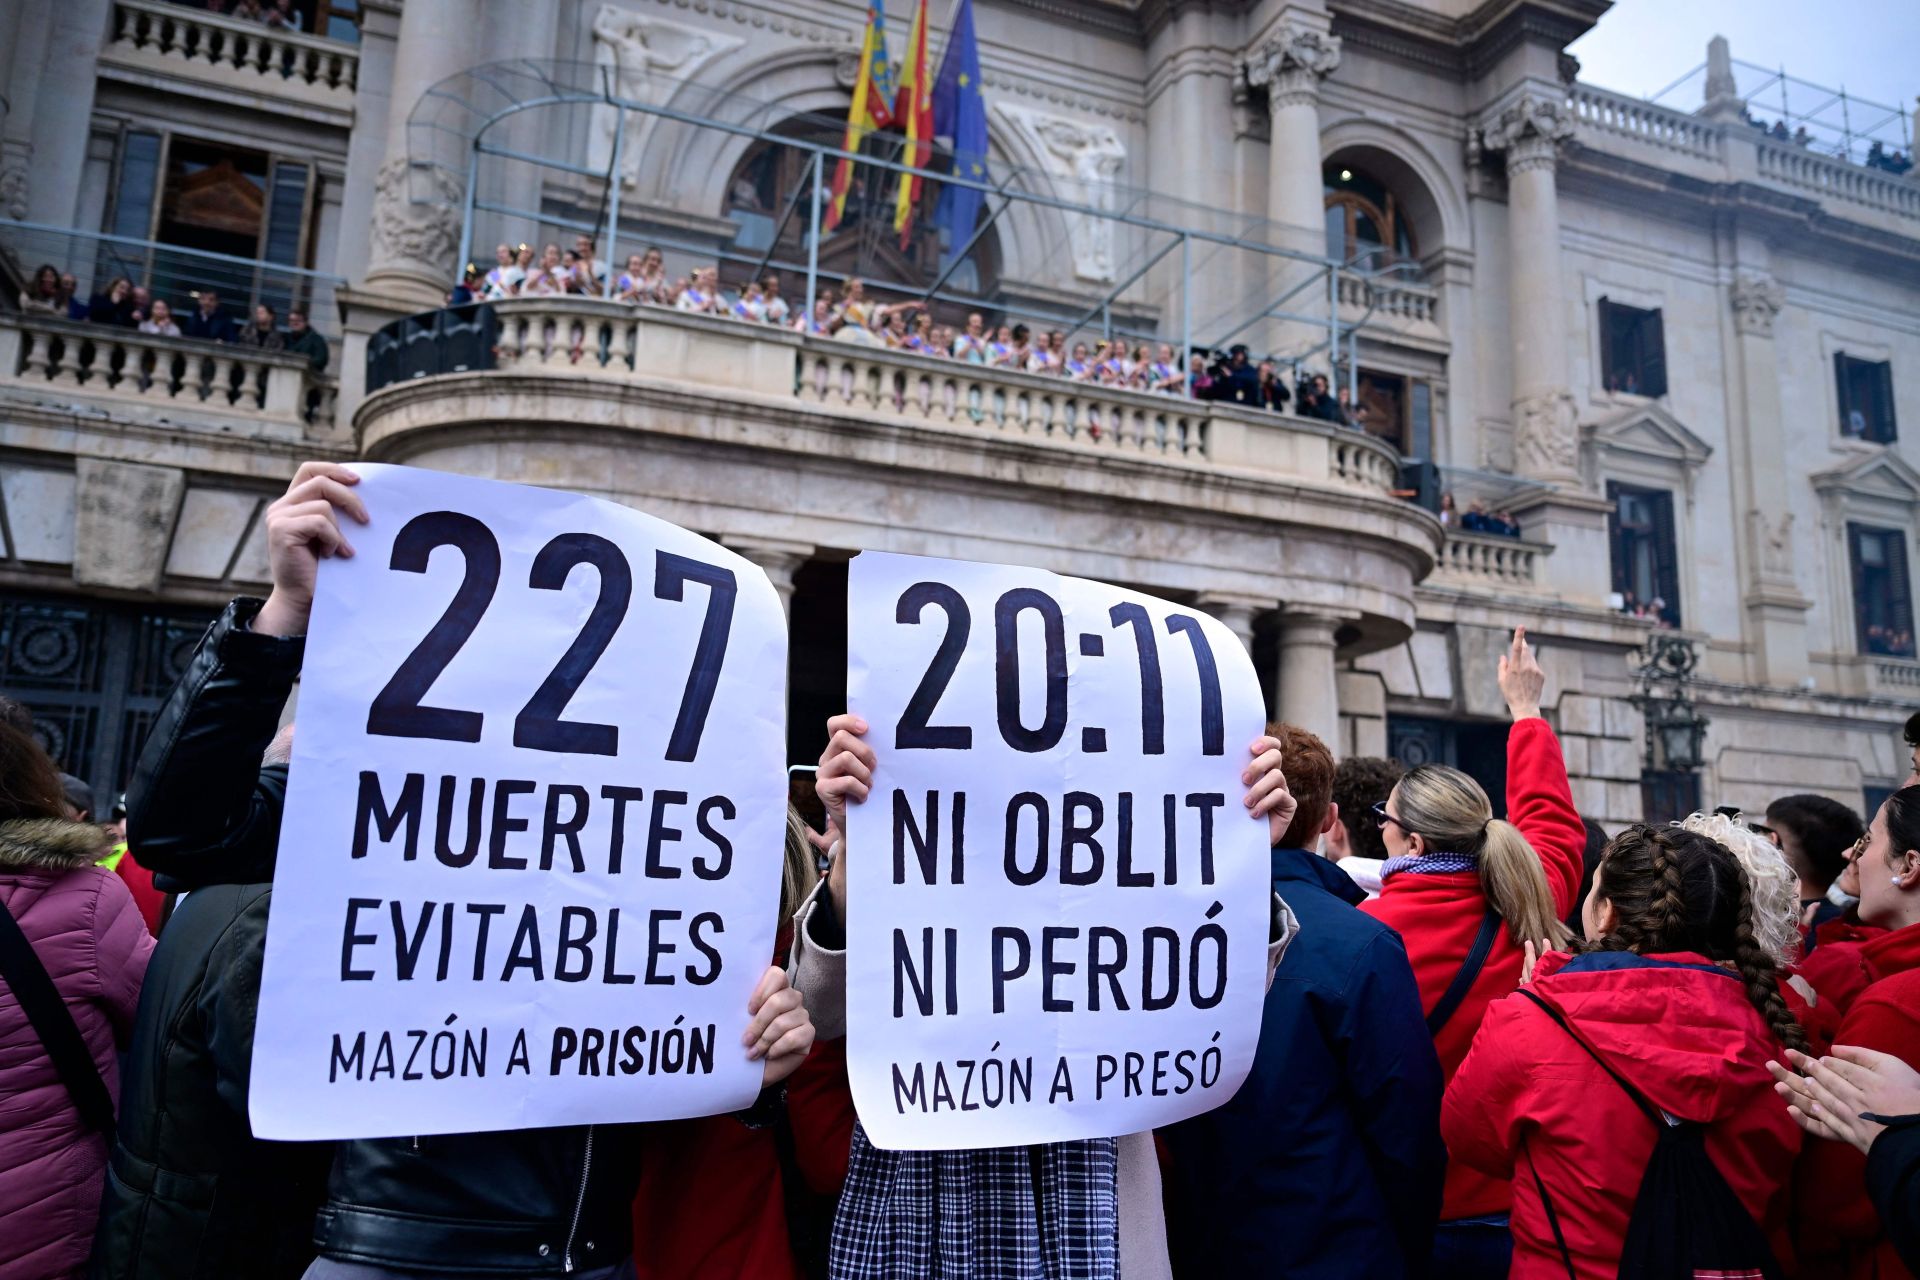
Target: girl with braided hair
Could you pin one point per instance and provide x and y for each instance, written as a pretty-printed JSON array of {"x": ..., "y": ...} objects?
[
  {"x": 1673, "y": 988},
  {"x": 1873, "y": 988}
]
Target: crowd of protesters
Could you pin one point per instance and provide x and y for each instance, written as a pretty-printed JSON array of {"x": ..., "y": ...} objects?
[
  {"x": 1490, "y": 1045},
  {"x": 126, "y": 305}
]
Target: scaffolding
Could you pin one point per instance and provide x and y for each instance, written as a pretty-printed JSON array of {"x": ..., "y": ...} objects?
[
  {"x": 517, "y": 140},
  {"x": 1830, "y": 121}
]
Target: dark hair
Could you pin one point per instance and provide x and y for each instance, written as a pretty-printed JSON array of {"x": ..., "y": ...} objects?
[
  {"x": 1903, "y": 819},
  {"x": 1912, "y": 731},
  {"x": 1020, "y": 332},
  {"x": 1308, "y": 765},
  {"x": 16, "y": 713},
  {"x": 1824, "y": 829},
  {"x": 42, "y": 270},
  {"x": 1589, "y": 863},
  {"x": 1676, "y": 890},
  {"x": 1359, "y": 783},
  {"x": 29, "y": 782}
]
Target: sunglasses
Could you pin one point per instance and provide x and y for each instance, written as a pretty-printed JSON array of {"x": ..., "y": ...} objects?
[{"x": 1381, "y": 818}]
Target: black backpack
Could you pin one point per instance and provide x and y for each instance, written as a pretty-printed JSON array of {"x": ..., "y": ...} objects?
[{"x": 1687, "y": 1222}]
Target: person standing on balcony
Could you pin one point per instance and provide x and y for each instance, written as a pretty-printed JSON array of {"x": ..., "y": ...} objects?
[
  {"x": 160, "y": 320},
  {"x": 549, "y": 278},
  {"x": 114, "y": 304},
  {"x": 208, "y": 321},
  {"x": 264, "y": 332},
  {"x": 1165, "y": 376},
  {"x": 302, "y": 340},
  {"x": 70, "y": 304},
  {"x": 971, "y": 345},
  {"x": 589, "y": 274},
  {"x": 777, "y": 310},
  {"x": 503, "y": 281},
  {"x": 44, "y": 293}
]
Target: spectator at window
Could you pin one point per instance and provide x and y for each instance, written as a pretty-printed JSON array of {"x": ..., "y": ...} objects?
[
  {"x": 264, "y": 331},
  {"x": 114, "y": 304},
  {"x": 942, "y": 339},
  {"x": 207, "y": 320},
  {"x": 1307, "y": 393},
  {"x": 1779, "y": 130},
  {"x": 702, "y": 294},
  {"x": 549, "y": 277},
  {"x": 302, "y": 340},
  {"x": 893, "y": 329},
  {"x": 1022, "y": 350},
  {"x": 777, "y": 312},
  {"x": 1325, "y": 407},
  {"x": 523, "y": 259},
  {"x": 1343, "y": 406},
  {"x": 652, "y": 277},
  {"x": 70, "y": 297},
  {"x": 858, "y": 316},
  {"x": 1801, "y": 138},
  {"x": 751, "y": 305},
  {"x": 921, "y": 340},
  {"x": 630, "y": 285},
  {"x": 970, "y": 345},
  {"x": 1047, "y": 355},
  {"x": 1001, "y": 347},
  {"x": 43, "y": 292},
  {"x": 142, "y": 304},
  {"x": 820, "y": 323},
  {"x": 503, "y": 280},
  {"x": 1476, "y": 519},
  {"x": 1449, "y": 512},
  {"x": 468, "y": 290},
  {"x": 282, "y": 16},
  {"x": 160, "y": 320},
  {"x": 1078, "y": 367}
]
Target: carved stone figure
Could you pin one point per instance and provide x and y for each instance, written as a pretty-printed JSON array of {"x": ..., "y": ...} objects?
[
  {"x": 1086, "y": 161},
  {"x": 1773, "y": 543},
  {"x": 642, "y": 59},
  {"x": 416, "y": 228},
  {"x": 1545, "y": 438},
  {"x": 1757, "y": 299}
]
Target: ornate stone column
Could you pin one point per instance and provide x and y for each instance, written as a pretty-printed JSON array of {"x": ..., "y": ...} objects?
[
  {"x": 1289, "y": 65},
  {"x": 1530, "y": 129},
  {"x": 1775, "y": 608},
  {"x": 416, "y": 207},
  {"x": 1306, "y": 693},
  {"x": 1238, "y": 612},
  {"x": 781, "y": 560}
]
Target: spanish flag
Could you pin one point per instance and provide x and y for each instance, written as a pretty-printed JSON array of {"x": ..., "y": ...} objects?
[
  {"x": 869, "y": 110},
  {"x": 914, "y": 109}
]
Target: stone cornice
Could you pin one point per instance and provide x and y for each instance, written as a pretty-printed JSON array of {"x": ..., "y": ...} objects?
[
  {"x": 1091, "y": 14},
  {"x": 1471, "y": 44}
]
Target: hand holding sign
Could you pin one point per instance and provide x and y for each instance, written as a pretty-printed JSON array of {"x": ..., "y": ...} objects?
[
  {"x": 524, "y": 880},
  {"x": 1062, "y": 916}
]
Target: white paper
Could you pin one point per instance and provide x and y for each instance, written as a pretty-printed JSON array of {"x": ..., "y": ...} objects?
[
  {"x": 948, "y": 1071},
  {"x": 420, "y": 1067}
]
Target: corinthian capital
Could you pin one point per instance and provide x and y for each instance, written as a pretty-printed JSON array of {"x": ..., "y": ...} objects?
[
  {"x": 1290, "y": 64},
  {"x": 1757, "y": 299},
  {"x": 1530, "y": 130}
]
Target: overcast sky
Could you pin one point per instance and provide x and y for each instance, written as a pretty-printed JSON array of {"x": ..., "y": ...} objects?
[{"x": 1869, "y": 47}]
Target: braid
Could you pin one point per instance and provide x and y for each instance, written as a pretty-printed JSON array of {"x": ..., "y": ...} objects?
[
  {"x": 1670, "y": 916},
  {"x": 1758, "y": 972}
]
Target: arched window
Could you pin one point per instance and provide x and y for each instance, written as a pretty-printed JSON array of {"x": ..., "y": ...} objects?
[
  {"x": 1365, "y": 224},
  {"x": 864, "y": 244}
]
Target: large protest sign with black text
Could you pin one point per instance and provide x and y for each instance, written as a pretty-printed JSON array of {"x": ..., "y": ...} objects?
[
  {"x": 530, "y": 865},
  {"x": 1058, "y": 905}
]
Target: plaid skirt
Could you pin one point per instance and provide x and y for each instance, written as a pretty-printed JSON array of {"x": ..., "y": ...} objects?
[{"x": 1007, "y": 1213}]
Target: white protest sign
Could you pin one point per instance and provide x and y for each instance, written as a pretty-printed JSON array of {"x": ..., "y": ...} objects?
[
  {"x": 530, "y": 863},
  {"x": 1057, "y": 902}
]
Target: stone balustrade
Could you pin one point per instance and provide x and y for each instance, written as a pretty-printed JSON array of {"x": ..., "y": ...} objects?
[
  {"x": 1601, "y": 112},
  {"x": 1837, "y": 179},
  {"x": 1398, "y": 304},
  {"x": 183, "y": 378},
  {"x": 157, "y": 38},
  {"x": 1489, "y": 561},
  {"x": 1893, "y": 677}
]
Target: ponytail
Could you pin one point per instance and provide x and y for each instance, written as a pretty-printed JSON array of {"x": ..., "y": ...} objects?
[
  {"x": 797, "y": 872},
  {"x": 1516, "y": 884}
]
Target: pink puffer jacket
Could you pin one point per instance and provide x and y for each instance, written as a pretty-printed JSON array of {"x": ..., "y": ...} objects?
[{"x": 87, "y": 932}]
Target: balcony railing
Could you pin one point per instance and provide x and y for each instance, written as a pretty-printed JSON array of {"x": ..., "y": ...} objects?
[
  {"x": 1621, "y": 116},
  {"x": 1489, "y": 562},
  {"x": 228, "y": 53},
  {"x": 1396, "y": 304},
  {"x": 182, "y": 377},
  {"x": 591, "y": 338},
  {"x": 1837, "y": 179}
]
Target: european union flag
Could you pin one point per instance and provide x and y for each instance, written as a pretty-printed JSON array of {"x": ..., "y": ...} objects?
[{"x": 960, "y": 113}]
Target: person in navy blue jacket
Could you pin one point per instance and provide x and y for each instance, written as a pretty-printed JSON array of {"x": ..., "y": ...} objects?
[{"x": 1328, "y": 1162}]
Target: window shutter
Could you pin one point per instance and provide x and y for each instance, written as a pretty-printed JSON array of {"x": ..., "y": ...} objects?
[
  {"x": 1666, "y": 555},
  {"x": 1899, "y": 590},
  {"x": 1883, "y": 378},
  {"x": 1616, "y": 544},
  {"x": 1653, "y": 355},
  {"x": 1841, "y": 389},
  {"x": 1606, "y": 344}
]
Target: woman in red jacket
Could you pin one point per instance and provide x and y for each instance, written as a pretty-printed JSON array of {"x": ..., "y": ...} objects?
[
  {"x": 1878, "y": 1004},
  {"x": 1674, "y": 991},
  {"x": 1459, "y": 883}
]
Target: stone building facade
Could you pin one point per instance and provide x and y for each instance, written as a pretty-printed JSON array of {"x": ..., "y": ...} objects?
[{"x": 1673, "y": 347}]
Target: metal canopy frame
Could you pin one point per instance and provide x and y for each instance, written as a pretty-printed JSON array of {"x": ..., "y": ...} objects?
[{"x": 449, "y": 129}]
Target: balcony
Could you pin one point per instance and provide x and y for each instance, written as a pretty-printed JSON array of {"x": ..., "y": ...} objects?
[
  {"x": 1382, "y": 305},
  {"x": 766, "y": 435},
  {"x": 1489, "y": 563},
  {"x": 247, "y": 64},
  {"x": 180, "y": 381}
]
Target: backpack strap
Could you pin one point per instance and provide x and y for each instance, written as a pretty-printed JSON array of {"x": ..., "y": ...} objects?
[
  {"x": 1640, "y": 1100},
  {"x": 1470, "y": 968},
  {"x": 1553, "y": 1219},
  {"x": 50, "y": 1018}
]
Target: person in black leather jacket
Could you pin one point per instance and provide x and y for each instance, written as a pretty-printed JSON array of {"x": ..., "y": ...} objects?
[{"x": 528, "y": 1202}]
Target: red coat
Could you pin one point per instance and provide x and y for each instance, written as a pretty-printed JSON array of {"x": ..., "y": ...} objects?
[
  {"x": 1682, "y": 1030},
  {"x": 1875, "y": 988},
  {"x": 1438, "y": 917}
]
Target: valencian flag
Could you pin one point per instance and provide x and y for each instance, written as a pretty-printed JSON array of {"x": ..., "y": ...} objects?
[
  {"x": 871, "y": 91},
  {"x": 913, "y": 111},
  {"x": 960, "y": 113}
]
